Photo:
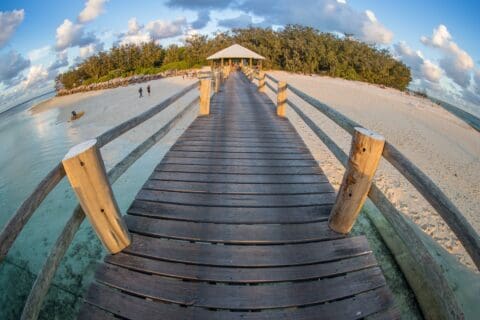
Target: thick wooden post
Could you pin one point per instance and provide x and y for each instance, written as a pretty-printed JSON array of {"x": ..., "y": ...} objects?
[
  {"x": 365, "y": 154},
  {"x": 205, "y": 97},
  {"x": 85, "y": 170},
  {"x": 217, "y": 81},
  {"x": 281, "y": 98},
  {"x": 261, "y": 81}
]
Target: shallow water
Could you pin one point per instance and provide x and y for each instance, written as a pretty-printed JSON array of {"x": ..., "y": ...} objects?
[{"x": 30, "y": 146}]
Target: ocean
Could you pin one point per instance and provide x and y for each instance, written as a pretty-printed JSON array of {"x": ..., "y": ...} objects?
[{"x": 30, "y": 146}]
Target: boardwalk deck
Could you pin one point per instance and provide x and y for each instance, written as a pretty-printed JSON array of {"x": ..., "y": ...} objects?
[{"x": 232, "y": 224}]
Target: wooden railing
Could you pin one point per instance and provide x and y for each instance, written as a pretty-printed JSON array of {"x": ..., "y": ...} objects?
[
  {"x": 434, "y": 293},
  {"x": 19, "y": 219}
]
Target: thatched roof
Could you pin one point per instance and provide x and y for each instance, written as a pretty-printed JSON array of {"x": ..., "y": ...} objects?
[{"x": 236, "y": 51}]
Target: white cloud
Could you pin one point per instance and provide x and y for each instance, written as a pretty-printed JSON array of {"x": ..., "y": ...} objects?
[
  {"x": 166, "y": 29},
  {"x": 38, "y": 54},
  {"x": 11, "y": 66},
  {"x": 68, "y": 34},
  {"x": 90, "y": 49},
  {"x": 93, "y": 8},
  {"x": 72, "y": 35},
  {"x": 135, "y": 34},
  {"x": 60, "y": 62},
  {"x": 457, "y": 63},
  {"x": 36, "y": 77},
  {"x": 371, "y": 16},
  {"x": 9, "y": 21},
  {"x": 154, "y": 30},
  {"x": 431, "y": 71},
  {"x": 422, "y": 68}
]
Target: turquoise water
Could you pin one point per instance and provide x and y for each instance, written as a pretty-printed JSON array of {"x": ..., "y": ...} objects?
[{"x": 30, "y": 146}]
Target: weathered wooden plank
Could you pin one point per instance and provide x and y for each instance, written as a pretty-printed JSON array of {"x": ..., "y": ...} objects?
[
  {"x": 136, "y": 308},
  {"x": 90, "y": 312},
  {"x": 240, "y": 162},
  {"x": 240, "y": 297},
  {"x": 234, "y": 135},
  {"x": 238, "y": 178},
  {"x": 232, "y": 233},
  {"x": 429, "y": 190},
  {"x": 244, "y": 188},
  {"x": 237, "y": 149},
  {"x": 247, "y": 143},
  {"x": 247, "y": 256},
  {"x": 240, "y": 155},
  {"x": 288, "y": 140},
  {"x": 42, "y": 283},
  {"x": 424, "y": 276},
  {"x": 242, "y": 275},
  {"x": 230, "y": 215},
  {"x": 237, "y": 200},
  {"x": 232, "y": 170}
]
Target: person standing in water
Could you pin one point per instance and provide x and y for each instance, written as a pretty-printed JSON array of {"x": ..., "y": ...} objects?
[
  {"x": 148, "y": 90},
  {"x": 140, "y": 92}
]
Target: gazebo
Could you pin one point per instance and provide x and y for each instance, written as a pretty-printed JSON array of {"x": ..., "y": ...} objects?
[{"x": 236, "y": 55}]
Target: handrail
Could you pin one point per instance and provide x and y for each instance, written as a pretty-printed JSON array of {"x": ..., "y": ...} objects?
[
  {"x": 16, "y": 223},
  {"x": 427, "y": 188},
  {"x": 440, "y": 299},
  {"x": 44, "y": 278}
]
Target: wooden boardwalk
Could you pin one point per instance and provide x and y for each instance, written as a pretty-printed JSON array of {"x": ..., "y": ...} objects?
[{"x": 232, "y": 224}]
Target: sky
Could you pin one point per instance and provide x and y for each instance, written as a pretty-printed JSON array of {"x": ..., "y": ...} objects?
[{"x": 438, "y": 40}]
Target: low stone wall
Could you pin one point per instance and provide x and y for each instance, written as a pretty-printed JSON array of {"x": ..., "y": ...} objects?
[{"x": 119, "y": 82}]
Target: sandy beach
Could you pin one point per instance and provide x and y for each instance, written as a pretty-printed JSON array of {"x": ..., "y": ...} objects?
[
  {"x": 105, "y": 109},
  {"x": 440, "y": 144}
]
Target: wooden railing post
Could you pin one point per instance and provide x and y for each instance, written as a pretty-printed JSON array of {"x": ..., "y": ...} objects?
[
  {"x": 365, "y": 154},
  {"x": 85, "y": 170},
  {"x": 217, "y": 81},
  {"x": 281, "y": 98},
  {"x": 250, "y": 74},
  {"x": 261, "y": 81},
  {"x": 205, "y": 97}
]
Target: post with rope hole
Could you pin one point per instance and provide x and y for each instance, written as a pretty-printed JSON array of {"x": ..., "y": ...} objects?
[
  {"x": 282, "y": 99},
  {"x": 261, "y": 81},
  {"x": 205, "y": 96},
  {"x": 365, "y": 154},
  {"x": 86, "y": 173}
]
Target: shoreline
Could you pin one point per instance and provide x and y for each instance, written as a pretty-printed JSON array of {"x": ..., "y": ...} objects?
[{"x": 443, "y": 146}]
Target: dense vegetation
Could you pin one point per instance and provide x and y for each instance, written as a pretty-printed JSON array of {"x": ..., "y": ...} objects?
[{"x": 294, "y": 48}]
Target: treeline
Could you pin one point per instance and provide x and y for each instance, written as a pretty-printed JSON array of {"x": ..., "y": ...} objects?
[{"x": 294, "y": 48}]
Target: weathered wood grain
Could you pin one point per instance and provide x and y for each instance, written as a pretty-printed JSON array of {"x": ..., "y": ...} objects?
[{"x": 136, "y": 308}]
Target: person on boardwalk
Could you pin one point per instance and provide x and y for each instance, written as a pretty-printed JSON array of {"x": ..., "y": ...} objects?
[
  {"x": 140, "y": 92},
  {"x": 148, "y": 90}
]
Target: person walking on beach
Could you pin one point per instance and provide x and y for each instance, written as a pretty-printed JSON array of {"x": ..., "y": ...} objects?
[
  {"x": 148, "y": 90},
  {"x": 140, "y": 92}
]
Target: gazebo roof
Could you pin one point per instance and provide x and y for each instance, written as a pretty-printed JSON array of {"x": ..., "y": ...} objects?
[{"x": 236, "y": 51}]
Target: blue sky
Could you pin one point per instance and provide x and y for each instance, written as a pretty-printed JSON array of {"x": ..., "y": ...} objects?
[{"x": 438, "y": 40}]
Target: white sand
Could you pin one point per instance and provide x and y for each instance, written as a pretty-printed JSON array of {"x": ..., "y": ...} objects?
[
  {"x": 441, "y": 145},
  {"x": 105, "y": 109}
]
